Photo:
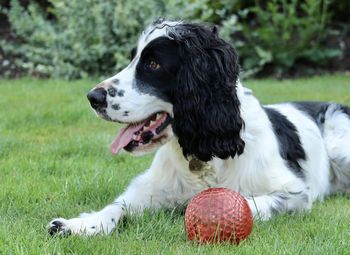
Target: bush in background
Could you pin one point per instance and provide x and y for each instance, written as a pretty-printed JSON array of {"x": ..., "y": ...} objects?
[
  {"x": 73, "y": 38},
  {"x": 81, "y": 38},
  {"x": 283, "y": 33}
]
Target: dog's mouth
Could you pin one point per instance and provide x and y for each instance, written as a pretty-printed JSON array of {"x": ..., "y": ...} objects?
[{"x": 140, "y": 134}]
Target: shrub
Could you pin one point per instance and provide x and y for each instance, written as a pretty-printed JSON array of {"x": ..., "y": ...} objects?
[
  {"x": 282, "y": 33},
  {"x": 83, "y": 37},
  {"x": 73, "y": 38},
  {"x": 200, "y": 10}
]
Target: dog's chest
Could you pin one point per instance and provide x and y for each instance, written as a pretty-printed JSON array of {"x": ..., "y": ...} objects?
[{"x": 203, "y": 171}]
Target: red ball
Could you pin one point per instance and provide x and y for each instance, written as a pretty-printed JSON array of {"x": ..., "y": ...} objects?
[{"x": 218, "y": 215}]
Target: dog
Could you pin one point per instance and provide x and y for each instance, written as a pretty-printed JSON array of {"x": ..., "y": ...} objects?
[{"x": 181, "y": 95}]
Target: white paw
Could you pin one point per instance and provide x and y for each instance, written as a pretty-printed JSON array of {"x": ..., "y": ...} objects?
[
  {"x": 88, "y": 225},
  {"x": 258, "y": 214}
]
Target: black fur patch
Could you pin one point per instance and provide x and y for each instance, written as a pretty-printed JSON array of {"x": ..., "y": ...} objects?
[
  {"x": 160, "y": 82},
  {"x": 112, "y": 91},
  {"x": 316, "y": 110},
  {"x": 207, "y": 117},
  {"x": 287, "y": 135},
  {"x": 120, "y": 93},
  {"x": 345, "y": 109},
  {"x": 116, "y": 107}
]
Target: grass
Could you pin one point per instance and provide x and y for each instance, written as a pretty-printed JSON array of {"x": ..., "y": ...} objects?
[{"x": 54, "y": 161}]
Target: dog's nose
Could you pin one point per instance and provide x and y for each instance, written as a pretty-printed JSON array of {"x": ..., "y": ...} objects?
[{"x": 97, "y": 98}]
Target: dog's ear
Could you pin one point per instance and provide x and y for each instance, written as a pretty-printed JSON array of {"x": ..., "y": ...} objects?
[{"x": 206, "y": 108}]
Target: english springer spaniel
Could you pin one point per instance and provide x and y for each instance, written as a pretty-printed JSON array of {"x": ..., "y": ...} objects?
[{"x": 181, "y": 95}]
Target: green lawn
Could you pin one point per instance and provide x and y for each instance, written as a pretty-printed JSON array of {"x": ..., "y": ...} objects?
[{"x": 54, "y": 161}]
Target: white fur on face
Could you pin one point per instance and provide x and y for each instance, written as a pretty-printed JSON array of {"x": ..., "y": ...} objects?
[
  {"x": 130, "y": 104},
  {"x": 133, "y": 105}
]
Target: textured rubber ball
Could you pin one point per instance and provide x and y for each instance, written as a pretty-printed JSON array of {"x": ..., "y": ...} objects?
[{"x": 218, "y": 215}]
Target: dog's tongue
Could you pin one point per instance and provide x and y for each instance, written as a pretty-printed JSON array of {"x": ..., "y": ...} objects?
[{"x": 124, "y": 137}]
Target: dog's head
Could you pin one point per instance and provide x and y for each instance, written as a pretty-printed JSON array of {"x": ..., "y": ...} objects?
[{"x": 181, "y": 79}]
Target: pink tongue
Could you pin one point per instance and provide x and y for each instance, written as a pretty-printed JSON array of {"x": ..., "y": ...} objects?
[{"x": 124, "y": 137}]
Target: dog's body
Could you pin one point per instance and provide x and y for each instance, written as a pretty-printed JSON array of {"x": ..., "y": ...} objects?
[{"x": 181, "y": 93}]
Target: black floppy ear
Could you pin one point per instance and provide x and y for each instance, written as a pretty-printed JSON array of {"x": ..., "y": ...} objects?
[{"x": 206, "y": 108}]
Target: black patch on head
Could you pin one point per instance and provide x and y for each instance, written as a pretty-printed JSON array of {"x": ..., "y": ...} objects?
[
  {"x": 112, "y": 91},
  {"x": 126, "y": 113},
  {"x": 116, "y": 107},
  {"x": 160, "y": 82},
  {"x": 207, "y": 117},
  {"x": 197, "y": 74},
  {"x": 121, "y": 92},
  {"x": 288, "y": 139}
]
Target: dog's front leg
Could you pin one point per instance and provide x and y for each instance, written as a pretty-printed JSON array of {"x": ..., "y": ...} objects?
[
  {"x": 142, "y": 193},
  {"x": 160, "y": 186},
  {"x": 93, "y": 223}
]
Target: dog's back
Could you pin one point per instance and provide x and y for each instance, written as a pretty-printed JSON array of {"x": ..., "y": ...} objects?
[{"x": 334, "y": 122}]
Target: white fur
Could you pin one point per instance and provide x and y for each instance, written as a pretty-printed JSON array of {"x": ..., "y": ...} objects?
[{"x": 260, "y": 173}]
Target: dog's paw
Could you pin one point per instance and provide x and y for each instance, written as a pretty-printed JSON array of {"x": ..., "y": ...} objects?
[
  {"x": 59, "y": 227},
  {"x": 85, "y": 226}
]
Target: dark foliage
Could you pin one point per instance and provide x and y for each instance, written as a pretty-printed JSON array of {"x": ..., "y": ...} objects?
[{"x": 74, "y": 39}]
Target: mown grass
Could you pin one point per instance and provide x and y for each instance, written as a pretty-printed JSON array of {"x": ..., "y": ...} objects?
[{"x": 54, "y": 161}]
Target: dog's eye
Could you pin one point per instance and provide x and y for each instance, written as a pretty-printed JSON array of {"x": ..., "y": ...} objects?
[{"x": 152, "y": 64}]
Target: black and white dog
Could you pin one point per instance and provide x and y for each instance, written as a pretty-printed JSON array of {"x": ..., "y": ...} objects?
[{"x": 181, "y": 94}]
